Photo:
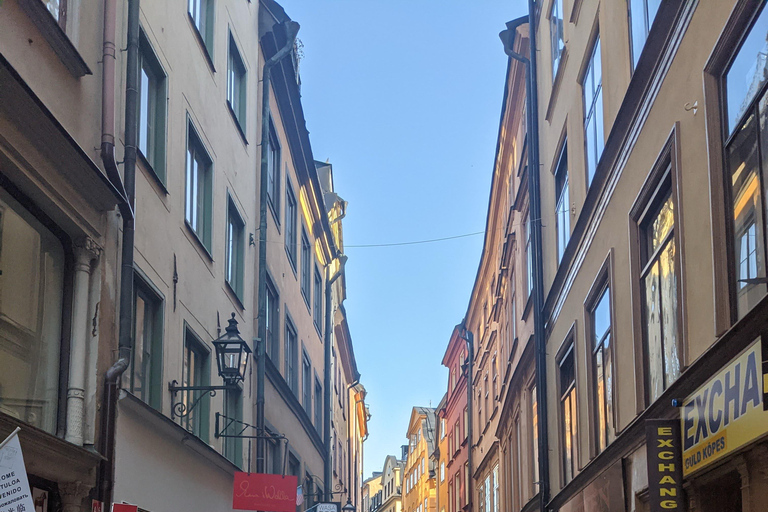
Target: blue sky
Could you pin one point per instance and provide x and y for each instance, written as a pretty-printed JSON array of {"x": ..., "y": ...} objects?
[{"x": 404, "y": 98}]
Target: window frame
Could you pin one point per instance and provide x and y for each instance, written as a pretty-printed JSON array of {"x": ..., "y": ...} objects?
[
  {"x": 561, "y": 193},
  {"x": 291, "y": 354},
  {"x": 634, "y": 53},
  {"x": 556, "y": 55},
  {"x": 273, "y": 351},
  {"x": 291, "y": 224},
  {"x": 153, "y": 298},
  {"x": 568, "y": 348},
  {"x": 274, "y": 155},
  {"x": 317, "y": 307},
  {"x": 306, "y": 267},
  {"x": 238, "y": 286},
  {"x": 590, "y": 112},
  {"x": 193, "y": 343},
  {"x": 204, "y": 25},
  {"x": 664, "y": 175},
  {"x": 306, "y": 382},
  {"x": 203, "y": 235},
  {"x": 604, "y": 281},
  {"x": 155, "y": 157},
  {"x": 742, "y": 18},
  {"x": 237, "y": 85}
]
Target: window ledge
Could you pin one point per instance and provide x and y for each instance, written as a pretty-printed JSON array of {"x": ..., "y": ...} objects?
[
  {"x": 239, "y": 127},
  {"x": 56, "y": 37},
  {"x": 275, "y": 216},
  {"x": 291, "y": 262}
]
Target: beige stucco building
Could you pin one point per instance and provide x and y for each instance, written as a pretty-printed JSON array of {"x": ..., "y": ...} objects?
[
  {"x": 419, "y": 486},
  {"x": 648, "y": 113},
  {"x": 64, "y": 177}
]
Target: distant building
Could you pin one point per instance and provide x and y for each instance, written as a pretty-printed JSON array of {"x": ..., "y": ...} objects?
[{"x": 419, "y": 492}]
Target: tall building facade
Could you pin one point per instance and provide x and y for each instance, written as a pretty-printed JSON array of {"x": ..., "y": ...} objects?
[
  {"x": 392, "y": 483},
  {"x": 131, "y": 213},
  {"x": 419, "y": 473},
  {"x": 651, "y": 114}
]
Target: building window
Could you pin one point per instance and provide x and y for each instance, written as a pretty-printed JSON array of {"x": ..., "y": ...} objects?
[
  {"x": 152, "y": 108},
  {"x": 273, "y": 321},
  {"x": 556, "y": 35},
  {"x": 747, "y": 105},
  {"x": 318, "y": 406},
  {"x": 146, "y": 368},
  {"x": 496, "y": 488},
  {"x": 31, "y": 305},
  {"x": 593, "y": 111},
  {"x": 563, "y": 200},
  {"x": 233, "y": 409},
  {"x": 602, "y": 370},
  {"x": 495, "y": 381},
  {"x": 201, "y": 14},
  {"x": 318, "y": 306},
  {"x": 534, "y": 438},
  {"x": 236, "y": 84},
  {"x": 442, "y": 428},
  {"x": 641, "y": 15},
  {"x": 306, "y": 383},
  {"x": 58, "y": 9},
  {"x": 518, "y": 462},
  {"x": 442, "y": 471},
  {"x": 235, "y": 249},
  {"x": 273, "y": 171},
  {"x": 659, "y": 285},
  {"x": 466, "y": 422},
  {"x": 457, "y": 492},
  {"x": 568, "y": 417},
  {"x": 528, "y": 255},
  {"x": 291, "y": 217},
  {"x": 199, "y": 188},
  {"x": 306, "y": 267},
  {"x": 195, "y": 372},
  {"x": 291, "y": 356}
]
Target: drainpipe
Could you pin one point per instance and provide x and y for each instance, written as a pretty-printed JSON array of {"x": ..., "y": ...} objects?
[
  {"x": 350, "y": 488},
  {"x": 291, "y": 29},
  {"x": 327, "y": 468},
  {"x": 508, "y": 37},
  {"x": 467, "y": 336},
  {"x": 125, "y": 341}
]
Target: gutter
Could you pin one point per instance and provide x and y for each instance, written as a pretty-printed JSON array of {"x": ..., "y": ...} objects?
[
  {"x": 507, "y": 38},
  {"x": 291, "y": 29},
  {"x": 128, "y": 189}
]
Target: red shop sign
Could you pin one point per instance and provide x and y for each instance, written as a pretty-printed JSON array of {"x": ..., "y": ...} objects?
[{"x": 270, "y": 493}]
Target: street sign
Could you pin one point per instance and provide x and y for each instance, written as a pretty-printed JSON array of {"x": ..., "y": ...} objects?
[
  {"x": 326, "y": 507},
  {"x": 15, "y": 495}
]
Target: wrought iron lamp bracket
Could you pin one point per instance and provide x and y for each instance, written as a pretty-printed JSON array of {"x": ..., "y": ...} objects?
[{"x": 181, "y": 409}]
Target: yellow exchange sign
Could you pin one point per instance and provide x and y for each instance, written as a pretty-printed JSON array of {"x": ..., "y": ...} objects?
[{"x": 725, "y": 413}]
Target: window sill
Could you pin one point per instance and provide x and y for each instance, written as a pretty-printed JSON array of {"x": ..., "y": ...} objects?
[
  {"x": 151, "y": 171},
  {"x": 291, "y": 262},
  {"x": 527, "y": 308},
  {"x": 199, "y": 243},
  {"x": 56, "y": 37},
  {"x": 201, "y": 41},
  {"x": 238, "y": 125},
  {"x": 319, "y": 331}
]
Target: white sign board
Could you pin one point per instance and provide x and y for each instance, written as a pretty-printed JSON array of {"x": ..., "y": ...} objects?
[
  {"x": 15, "y": 495},
  {"x": 326, "y": 507}
]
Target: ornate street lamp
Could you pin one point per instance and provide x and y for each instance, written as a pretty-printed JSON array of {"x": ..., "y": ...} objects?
[
  {"x": 349, "y": 507},
  {"x": 232, "y": 354}
]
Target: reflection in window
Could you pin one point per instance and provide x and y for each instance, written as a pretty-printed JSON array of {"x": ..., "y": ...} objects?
[
  {"x": 659, "y": 285},
  {"x": 152, "y": 103},
  {"x": 195, "y": 372},
  {"x": 748, "y": 72},
  {"x": 747, "y": 182},
  {"x": 641, "y": 15},
  {"x": 602, "y": 371},
  {"x": 145, "y": 372},
  {"x": 31, "y": 287},
  {"x": 568, "y": 416}
]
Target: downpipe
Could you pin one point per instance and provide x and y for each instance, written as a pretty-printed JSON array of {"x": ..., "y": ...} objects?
[
  {"x": 291, "y": 29},
  {"x": 128, "y": 187}
]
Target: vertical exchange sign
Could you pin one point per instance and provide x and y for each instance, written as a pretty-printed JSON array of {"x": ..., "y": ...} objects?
[
  {"x": 15, "y": 495},
  {"x": 665, "y": 469}
]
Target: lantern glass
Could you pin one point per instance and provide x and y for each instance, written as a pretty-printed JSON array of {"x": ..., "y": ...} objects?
[{"x": 232, "y": 354}]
